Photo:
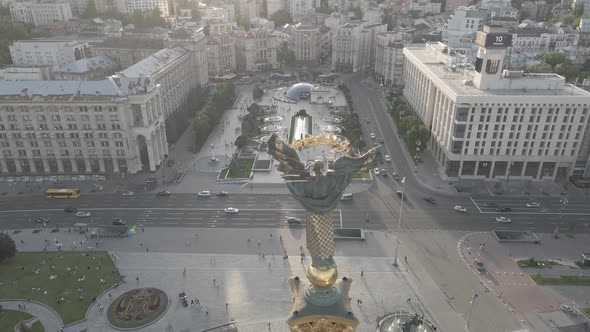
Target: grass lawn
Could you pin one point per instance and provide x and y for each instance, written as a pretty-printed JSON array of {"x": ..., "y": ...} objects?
[
  {"x": 27, "y": 276},
  {"x": 563, "y": 280},
  {"x": 361, "y": 175},
  {"x": 223, "y": 173},
  {"x": 587, "y": 311},
  {"x": 9, "y": 319},
  {"x": 240, "y": 168},
  {"x": 535, "y": 263}
]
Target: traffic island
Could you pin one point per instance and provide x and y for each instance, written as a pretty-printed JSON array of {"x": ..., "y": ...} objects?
[
  {"x": 137, "y": 308},
  {"x": 68, "y": 282}
]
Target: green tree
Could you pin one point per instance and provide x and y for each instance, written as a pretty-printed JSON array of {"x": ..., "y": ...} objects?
[
  {"x": 537, "y": 68},
  {"x": 7, "y": 247},
  {"x": 90, "y": 11},
  {"x": 358, "y": 13},
  {"x": 281, "y": 17},
  {"x": 257, "y": 92},
  {"x": 241, "y": 141},
  {"x": 285, "y": 55},
  {"x": 553, "y": 59},
  {"x": 569, "y": 71},
  {"x": 207, "y": 30},
  {"x": 579, "y": 10},
  {"x": 243, "y": 21}
]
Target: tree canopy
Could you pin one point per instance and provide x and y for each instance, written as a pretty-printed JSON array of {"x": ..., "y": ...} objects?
[
  {"x": 7, "y": 247},
  {"x": 281, "y": 17},
  {"x": 553, "y": 59}
]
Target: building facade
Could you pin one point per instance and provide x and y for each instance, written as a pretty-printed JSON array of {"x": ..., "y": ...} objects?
[
  {"x": 47, "y": 52},
  {"x": 127, "y": 51},
  {"x": 535, "y": 40},
  {"x": 256, "y": 50},
  {"x": 132, "y": 6},
  {"x": 40, "y": 13},
  {"x": 90, "y": 69},
  {"x": 389, "y": 57},
  {"x": 77, "y": 127},
  {"x": 487, "y": 123},
  {"x": 462, "y": 26},
  {"x": 221, "y": 52},
  {"x": 353, "y": 46},
  {"x": 273, "y": 6},
  {"x": 306, "y": 43}
]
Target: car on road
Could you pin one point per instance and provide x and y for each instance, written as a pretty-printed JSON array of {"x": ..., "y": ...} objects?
[
  {"x": 70, "y": 209},
  {"x": 222, "y": 194},
  {"x": 128, "y": 193},
  {"x": 163, "y": 193},
  {"x": 503, "y": 220},
  {"x": 381, "y": 140},
  {"x": 41, "y": 220},
  {"x": 231, "y": 210},
  {"x": 479, "y": 265},
  {"x": 430, "y": 200},
  {"x": 490, "y": 205},
  {"x": 532, "y": 205},
  {"x": 83, "y": 214},
  {"x": 503, "y": 209},
  {"x": 459, "y": 208},
  {"x": 400, "y": 194},
  {"x": 119, "y": 221},
  {"x": 376, "y": 171},
  {"x": 566, "y": 308},
  {"x": 294, "y": 221},
  {"x": 204, "y": 193},
  {"x": 372, "y": 136},
  {"x": 387, "y": 158},
  {"x": 384, "y": 172},
  {"x": 367, "y": 120},
  {"x": 395, "y": 176}
]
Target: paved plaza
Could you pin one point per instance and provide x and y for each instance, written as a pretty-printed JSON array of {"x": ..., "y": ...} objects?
[{"x": 222, "y": 266}]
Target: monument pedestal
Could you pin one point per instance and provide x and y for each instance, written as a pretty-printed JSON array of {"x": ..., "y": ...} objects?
[{"x": 310, "y": 313}]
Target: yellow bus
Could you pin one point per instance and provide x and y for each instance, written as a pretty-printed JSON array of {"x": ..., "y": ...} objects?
[{"x": 62, "y": 193}]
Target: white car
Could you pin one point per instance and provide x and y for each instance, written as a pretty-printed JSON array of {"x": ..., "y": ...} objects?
[
  {"x": 567, "y": 308},
  {"x": 372, "y": 135},
  {"x": 533, "y": 205},
  {"x": 387, "y": 158},
  {"x": 377, "y": 171},
  {"x": 231, "y": 210},
  {"x": 459, "y": 208},
  {"x": 83, "y": 214},
  {"x": 204, "y": 193},
  {"x": 503, "y": 220},
  {"x": 128, "y": 193}
]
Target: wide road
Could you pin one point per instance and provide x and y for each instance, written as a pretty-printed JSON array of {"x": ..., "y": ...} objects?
[{"x": 380, "y": 206}]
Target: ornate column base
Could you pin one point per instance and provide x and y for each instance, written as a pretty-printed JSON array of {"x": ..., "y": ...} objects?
[{"x": 321, "y": 309}]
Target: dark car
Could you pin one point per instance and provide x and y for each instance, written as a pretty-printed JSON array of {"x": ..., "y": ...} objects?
[
  {"x": 70, "y": 209},
  {"x": 163, "y": 193},
  {"x": 294, "y": 221},
  {"x": 222, "y": 194},
  {"x": 400, "y": 194},
  {"x": 490, "y": 205},
  {"x": 41, "y": 220},
  {"x": 479, "y": 265},
  {"x": 381, "y": 140},
  {"x": 119, "y": 221},
  {"x": 430, "y": 200},
  {"x": 504, "y": 209}
]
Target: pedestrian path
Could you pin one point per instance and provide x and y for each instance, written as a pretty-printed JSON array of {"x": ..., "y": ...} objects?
[{"x": 48, "y": 318}]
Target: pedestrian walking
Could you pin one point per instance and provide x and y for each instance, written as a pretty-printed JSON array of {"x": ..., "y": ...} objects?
[
  {"x": 110, "y": 296},
  {"x": 141, "y": 244},
  {"x": 142, "y": 230},
  {"x": 226, "y": 306},
  {"x": 147, "y": 249},
  {"x": 214, "y": 281},
  {"x": 269, "y": 265},
  {"x": 281, "y": 238},
  {"x": 137, "y": 278},
  {"x": 362, "y": 274},
  {"x": 406, "y": 259}
]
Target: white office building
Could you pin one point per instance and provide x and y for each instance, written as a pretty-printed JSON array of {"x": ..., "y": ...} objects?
[
  {"x": 490, "y": 123},
  {"x": 147, "y": 5},
  {"x": 389, "y": 57},
  {"x": 47, "y": 52},
  {"x": 40, "y": 13},
  {"x": 462, "y": 25}
]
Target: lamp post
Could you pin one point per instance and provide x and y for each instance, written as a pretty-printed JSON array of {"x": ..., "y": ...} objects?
[
  {"x": 471, "y": 303},
  {"x": 563, "y": 202},
  {"x": 399, "y": 221}
]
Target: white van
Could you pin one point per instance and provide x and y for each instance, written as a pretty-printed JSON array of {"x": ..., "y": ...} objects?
[{"x": 346, "y": 197}]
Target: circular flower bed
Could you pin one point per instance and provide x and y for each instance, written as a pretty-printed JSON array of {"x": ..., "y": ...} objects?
[{"x": 137, "y": 308}]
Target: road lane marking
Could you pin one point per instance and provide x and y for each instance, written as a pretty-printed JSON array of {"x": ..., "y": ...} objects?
[{"x": 477, "y": 206}]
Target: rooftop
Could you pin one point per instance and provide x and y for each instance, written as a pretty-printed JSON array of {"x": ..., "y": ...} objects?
[
  {"x": 154, "y": 63},
  {"x": 453, "y": 72},
  {"x": 157, "y": 44},
  {"x": 29, "y": 89},
  {"x": 89, "y": 64}
]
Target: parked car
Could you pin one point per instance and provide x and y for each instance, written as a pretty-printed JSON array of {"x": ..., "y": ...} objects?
[
  {"x": 503, "y": 220},
  {"x": 294, "y": 221},
  {"x": 70, "y": 209},
  {"x": 119, "y": 221},
  {"x": 430, "y": 200},
  {"x": 459, "y": 208},
  {"x": 204, "y": 193},
  {"x": 41, "y": 220},
  {"x": 222, "y": 193},
  {"x": 372, "y": 135},
  {"x": 490, "y": 205},
  {"x": 384, "y": 172},
  {"x": 503, "y": 209},
  {"x": 376, "y": 171},
  {"x": 231, "y": 210},
  {"x": 163, "y": 193},
  {"x": 479, "y": 265},
  {"x": 532, "y": 205},
  {"x": 381, "y": 140},
  {"x": 83, "y": 214},
  {"x": 128, "y": 193},
  {"x": 387, "y": 158},
  {"x": 401, "y": 194}
]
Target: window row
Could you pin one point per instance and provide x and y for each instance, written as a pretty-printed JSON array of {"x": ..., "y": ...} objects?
[{"x": 63, "y": 153}]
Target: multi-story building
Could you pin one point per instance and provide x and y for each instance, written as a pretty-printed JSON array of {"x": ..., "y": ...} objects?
[
  {"x": 584, "y": 29},
  {"x": 88, "y": 69},
  {"x": 506, "y": 17},
  {"x": 495, "y": 4},
  {"x": 262, "y": 24},
  {"x": 221, "y": 52},
  {"x": 256, "y": 50},
  {"x": 272, "y": 6},
  {"x": 132, "y": 6},
  {"x": 353, "y": 46},
  {"x": 539, "y": 11},
  {"x": 305, "y": 42},
  {"x": 127, "y": 51},
  {"x": 299, "y": 8},
  {"x": 40, "y": 13},
  {"x": 462, "y": 26},
  {"x": 52, "y": 127},
  {"x": 389, "y": 57},
  {"x": 12, "y": 73},
  {"x": 488, "y": 123},
  {"x": 535, "y": 40},
  {"x": 47, "y": 52},
  {"x": 426, "y": 6}
]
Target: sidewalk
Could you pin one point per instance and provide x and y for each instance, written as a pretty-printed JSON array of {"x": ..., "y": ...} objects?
[{"x": 48, "y": 318}]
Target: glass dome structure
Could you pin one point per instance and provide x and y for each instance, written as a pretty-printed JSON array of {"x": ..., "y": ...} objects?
[{"x": 299, "y": 91}]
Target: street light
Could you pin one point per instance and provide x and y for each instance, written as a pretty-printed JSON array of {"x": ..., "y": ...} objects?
[
  {"x": 563, "y": 202},
  {"x": 399, "y": 221},
  {"x": 471, "y": 303}
]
